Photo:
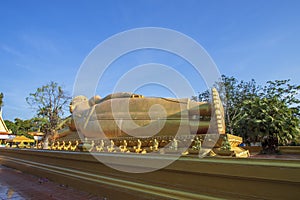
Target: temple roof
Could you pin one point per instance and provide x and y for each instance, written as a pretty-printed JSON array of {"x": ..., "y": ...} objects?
[{"x": 3, "y": 127}]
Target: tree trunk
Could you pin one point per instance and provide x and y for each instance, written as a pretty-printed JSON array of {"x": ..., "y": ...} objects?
[
  {"x": 46, "y": 142},
  {"x": 46, "y": 139},
  {"x": 270, "y": 145}
]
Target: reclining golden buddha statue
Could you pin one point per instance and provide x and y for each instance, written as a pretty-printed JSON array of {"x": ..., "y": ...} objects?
[
  {"x": 127, "y": 122},
  {"x": 127, "y": 114}
]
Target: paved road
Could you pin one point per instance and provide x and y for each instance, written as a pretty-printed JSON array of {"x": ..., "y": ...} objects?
[{"x": 16, "y": 185}]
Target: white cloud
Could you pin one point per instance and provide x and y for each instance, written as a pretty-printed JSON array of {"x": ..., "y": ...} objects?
[{"x": 12, "y": 51}]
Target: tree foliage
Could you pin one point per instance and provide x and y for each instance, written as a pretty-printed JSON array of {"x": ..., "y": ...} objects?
[
  {"x": 254, "y": 111},
  {"x": 232, "y": 94},
  {"x": 50, "y": 102},
  {"x": 274, "y": 113},
  {"x": 21, "y": 127},
  {"x": 1, "y": 100},
  {"x": 11, "y": 126}
]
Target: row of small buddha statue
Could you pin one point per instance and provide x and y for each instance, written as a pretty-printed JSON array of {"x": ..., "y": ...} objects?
[
  {"x": 123, "y": 147},
  {"x": 62, "y": 146}
]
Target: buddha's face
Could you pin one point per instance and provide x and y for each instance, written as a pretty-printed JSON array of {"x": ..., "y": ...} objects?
[{"x": 76, "y": 101}]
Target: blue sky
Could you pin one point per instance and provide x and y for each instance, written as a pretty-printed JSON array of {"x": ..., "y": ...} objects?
[{"x": 42, "y": 41}]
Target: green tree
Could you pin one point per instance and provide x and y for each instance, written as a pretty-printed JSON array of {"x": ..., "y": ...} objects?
[
  {"x": 49, "y": 101},
  {"x": 233, "y": 93},
  {"x": 271, "y": 112},
  {"x": 285, "y": 92},
  {"x": 11, "y": 126},
  {"x": 194, "y": 98},
  {"x": 23, "y": 126},
  {"x": 274, "y": 115},
  {"x": 204, "y": 96},
  {"x": 1, "y": 100},
  {"x": 39, "y": 124}
]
